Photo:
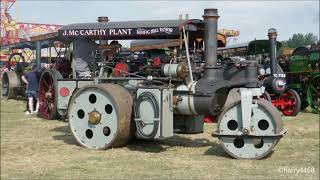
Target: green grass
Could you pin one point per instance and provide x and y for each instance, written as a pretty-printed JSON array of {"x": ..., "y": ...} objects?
[{"x": 36, "y": 148}]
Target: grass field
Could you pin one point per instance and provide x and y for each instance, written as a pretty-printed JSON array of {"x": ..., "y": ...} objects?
[{"x": 36, "y": 148}]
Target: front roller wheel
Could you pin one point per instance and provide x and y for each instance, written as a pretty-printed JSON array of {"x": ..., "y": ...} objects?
[
  {"x": 100, "y": 116},
  {"x": 265, "y": 120}
]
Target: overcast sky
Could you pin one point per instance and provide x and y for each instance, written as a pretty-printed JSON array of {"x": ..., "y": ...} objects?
[{"x": 252, "y": 18}]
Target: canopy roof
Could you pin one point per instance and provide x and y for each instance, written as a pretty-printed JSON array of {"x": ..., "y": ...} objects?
[
  {"x": 124, "y": 24},
  {"x": 260, "y": 46},
  {"x": 141, "y": 45},
  {"x": 150, "y": 29},
  {"x": 28, "y": 45},
  {"x": 249, "y": 48},
  {"x": 45, "y": 39}
]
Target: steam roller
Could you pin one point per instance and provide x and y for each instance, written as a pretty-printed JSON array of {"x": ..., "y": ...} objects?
[{"x": 107, "y": 111}]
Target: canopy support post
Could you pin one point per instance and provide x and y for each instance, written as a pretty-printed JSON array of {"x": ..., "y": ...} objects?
[{"x": 38, "y": 54}]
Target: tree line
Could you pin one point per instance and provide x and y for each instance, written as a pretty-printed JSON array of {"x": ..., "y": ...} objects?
[{"x": 299, "y": 39}]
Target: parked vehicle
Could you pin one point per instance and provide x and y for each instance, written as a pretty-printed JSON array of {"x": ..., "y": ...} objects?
[{"x": 303, "y": 75}]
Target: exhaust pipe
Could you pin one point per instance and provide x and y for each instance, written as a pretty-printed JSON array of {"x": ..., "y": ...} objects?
[
  {"x": 103, "y": 19},
  {"x": 272, "y": 33},
  {"x": 210, "y": 41}
]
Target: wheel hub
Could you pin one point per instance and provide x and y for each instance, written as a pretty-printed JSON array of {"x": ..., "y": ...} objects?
[
  {"x": 48, "y": 95},
  {"x": 94, "y": 117}
]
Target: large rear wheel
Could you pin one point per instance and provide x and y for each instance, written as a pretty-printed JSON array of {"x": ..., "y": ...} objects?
[
  {"x": 100, "y": 116},
  {"x": 48, "y": 94}
]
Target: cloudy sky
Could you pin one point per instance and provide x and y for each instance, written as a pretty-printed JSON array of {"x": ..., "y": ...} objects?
[{"x": 252, "y": 18}]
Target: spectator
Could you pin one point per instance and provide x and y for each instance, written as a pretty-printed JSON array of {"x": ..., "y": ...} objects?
[{"x": 32, "y": 82}]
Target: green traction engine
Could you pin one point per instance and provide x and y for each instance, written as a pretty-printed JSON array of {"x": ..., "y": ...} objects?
[{"x": 303, "y": 75}]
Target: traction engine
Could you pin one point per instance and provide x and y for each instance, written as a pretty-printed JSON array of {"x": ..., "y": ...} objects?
[
  {"x": 108, "y": 111},
  {"x": 277, "y": 90}
]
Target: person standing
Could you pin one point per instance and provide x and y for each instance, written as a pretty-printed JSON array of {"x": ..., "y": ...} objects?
[{"x": 31, "y": 79}]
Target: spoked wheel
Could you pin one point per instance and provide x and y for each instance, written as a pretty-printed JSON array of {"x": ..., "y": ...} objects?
[
  {"x": 313, "y": 94},
  {"x": 290, "y": 103},
  {"x": 10, "y": 84},
  {"x": 265, "y": 120},
  {"x": 100, "y": 116},
  {"x": 48, "y": 94}
]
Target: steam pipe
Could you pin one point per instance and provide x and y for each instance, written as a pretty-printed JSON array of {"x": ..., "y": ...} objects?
[
  {"x": 272, "y": 33},
  {"x": 210, "y": 41}
]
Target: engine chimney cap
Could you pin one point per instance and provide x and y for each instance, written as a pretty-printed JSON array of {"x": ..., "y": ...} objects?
[
  {"x": 103, "y": 19},
  {"x": 210, "y": 13},
  {"x": 272, "y": 31}
]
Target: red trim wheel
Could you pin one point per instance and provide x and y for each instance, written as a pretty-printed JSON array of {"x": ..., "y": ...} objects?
[
  {"x": 290, "y": 103},
  {"x": 48, "y": 94}
]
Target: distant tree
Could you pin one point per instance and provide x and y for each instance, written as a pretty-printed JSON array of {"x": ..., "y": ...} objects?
[
  {"x": 298, "y": 40},
  {"x": 310, "y": 38}
]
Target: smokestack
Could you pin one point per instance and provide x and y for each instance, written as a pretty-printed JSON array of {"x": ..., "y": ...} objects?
[
  {"x": 272, "y": 33},
  {"x": 210, "y": 41},
  {"x": 103, "y": 19}
]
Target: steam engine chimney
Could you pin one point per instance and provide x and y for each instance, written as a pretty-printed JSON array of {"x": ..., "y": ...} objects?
[
  {"x": 272, "y": 33},
  {"x": 103, "y": 19},
  {"x": 210, "y": 39}
]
